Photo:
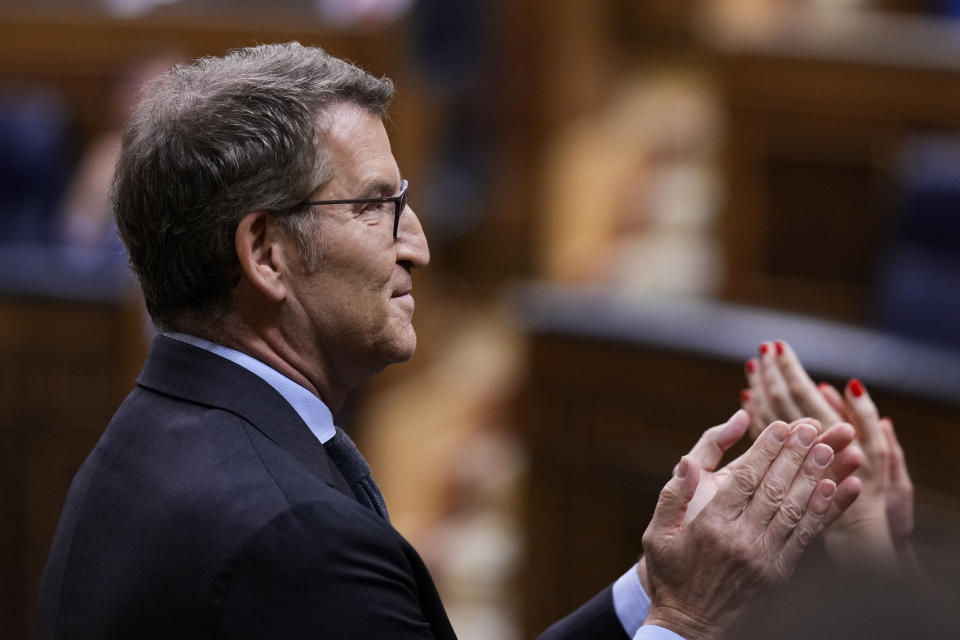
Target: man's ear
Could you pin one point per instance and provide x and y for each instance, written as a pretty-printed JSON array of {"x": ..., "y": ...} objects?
[{"x": 263, "y": 255}]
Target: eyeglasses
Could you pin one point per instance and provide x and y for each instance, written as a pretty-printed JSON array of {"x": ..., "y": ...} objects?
[{"x": 399, "y": 202}]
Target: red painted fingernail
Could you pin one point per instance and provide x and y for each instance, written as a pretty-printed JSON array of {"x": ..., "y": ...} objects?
[
  {"x": 744, "y": 395},
  {"x": 763, "y": 349},
  {"x": 779, "y": 346},
  {"x": 856, "y": 388},
  {"x": 823, "y": 385},
  {"x": 751, "y": 366}
]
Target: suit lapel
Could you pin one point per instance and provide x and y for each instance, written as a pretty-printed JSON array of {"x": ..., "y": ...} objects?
[{"x": 184, "y": 371}]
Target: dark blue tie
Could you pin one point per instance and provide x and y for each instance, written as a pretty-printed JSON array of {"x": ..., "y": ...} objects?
[{"x": 356, "y": 471}]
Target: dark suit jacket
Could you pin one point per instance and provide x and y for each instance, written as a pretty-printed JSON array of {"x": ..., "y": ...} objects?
[{"x": 208, "y": 509}]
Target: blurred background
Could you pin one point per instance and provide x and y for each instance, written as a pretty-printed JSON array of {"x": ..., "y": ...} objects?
[{"x": 623, "y": 199}]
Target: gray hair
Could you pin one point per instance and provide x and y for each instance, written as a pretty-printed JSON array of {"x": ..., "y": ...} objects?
[{"x": 215, "y": 140}]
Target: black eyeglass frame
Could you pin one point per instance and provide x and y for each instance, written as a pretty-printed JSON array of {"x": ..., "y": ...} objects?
[{"x": 399, "y": 202}]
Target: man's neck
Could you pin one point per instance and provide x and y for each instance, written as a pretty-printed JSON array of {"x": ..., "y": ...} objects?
[{"x": 270, "y": 346}]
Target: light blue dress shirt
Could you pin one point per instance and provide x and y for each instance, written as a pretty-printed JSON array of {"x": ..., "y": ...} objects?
[
  {"x": 632, "y": 605},
  {"x": 307, "y": 405},
  {"x": 630, "y": 601},
  {"x": 653, "y": 632}
]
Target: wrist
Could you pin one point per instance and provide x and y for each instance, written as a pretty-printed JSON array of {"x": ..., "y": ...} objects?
[
  {"x": 866, "y": 543},
  {"x": 860, "y": 520},
  {"x": 682, "y": 623}
]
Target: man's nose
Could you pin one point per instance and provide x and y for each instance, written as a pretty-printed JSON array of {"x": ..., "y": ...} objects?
[{"x": 411, "y": 241}]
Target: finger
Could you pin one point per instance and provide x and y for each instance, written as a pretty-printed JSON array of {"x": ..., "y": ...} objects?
[
  {"x": 760, "y": 411},
  {"x": 898, "y": 462},
  {"x": 810, "y": 523},
  {"x": 900, "y": 493},
  {"x": 749, "y": 469},
  {"x": 847, "y": 491},
  {"x": 801, "y": 388},
  {"x": 838, "y": 437},
  {"x": 736, "y": 461},
  {"x": 845, "y": 462},
  {"x": 748, "y": 403},
  {"x": 715, "y": 441},
  {"x": 780, "y": 477},
  {"x": 775, "y": 387},
  {"x": 793, "y": 509},
  {"x": 847, "y": 459},
  {"x": 835, "y": 399},
  {"x": 672, "y": 504},
  {"x": 866, "y": 420}
]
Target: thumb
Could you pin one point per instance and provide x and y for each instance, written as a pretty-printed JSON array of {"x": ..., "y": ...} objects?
[
  {"x": 715, "y": 441},
  {"x": 674, "y": 498}
]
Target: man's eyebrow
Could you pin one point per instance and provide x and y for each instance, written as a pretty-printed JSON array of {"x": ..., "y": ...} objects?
[{"x": 379, "y": 188}]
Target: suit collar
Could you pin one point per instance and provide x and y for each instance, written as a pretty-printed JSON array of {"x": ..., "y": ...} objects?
[
  {"x": 308, "y": 405},
  {"x": 184, "y": 371}
]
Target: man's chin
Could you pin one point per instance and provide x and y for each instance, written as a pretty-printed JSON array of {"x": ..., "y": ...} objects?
[{"x": 402, "y": 349}]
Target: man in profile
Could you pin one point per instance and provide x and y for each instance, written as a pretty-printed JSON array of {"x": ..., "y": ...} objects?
[{"x": 267, "y": 222}]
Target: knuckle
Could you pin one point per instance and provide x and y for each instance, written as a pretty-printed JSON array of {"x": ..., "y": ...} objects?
[
  {"x": 745, "y": 479},
  {"x": 756, "y": 562},
  {"x": 667, "y": 496},
  {"x": 804, "y": 535},
  {"x": 818, "y": 508},
  {"x": 791, "y": 513},
  {"x": 741, "y": 550},
  {"x": 796, "y": 456},
  {"x": 774, "y": 489},
  {"x": 648, "y": 538}
]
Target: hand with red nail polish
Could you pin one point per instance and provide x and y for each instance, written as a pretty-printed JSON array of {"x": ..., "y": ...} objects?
[
  {"x": 882, "y": 517},
  {"x": 894, "y": 489},
  {"x": 866, "y": 534},
  {"x": 780, "y": 389}
]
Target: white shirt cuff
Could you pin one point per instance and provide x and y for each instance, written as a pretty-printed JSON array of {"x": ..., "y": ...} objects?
[
  {"x": 653, "y": 632},
  {"x": 631, "y": 602}
]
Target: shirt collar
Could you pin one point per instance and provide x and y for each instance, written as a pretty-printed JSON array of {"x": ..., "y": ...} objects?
[{"x": 309, "y": 407}]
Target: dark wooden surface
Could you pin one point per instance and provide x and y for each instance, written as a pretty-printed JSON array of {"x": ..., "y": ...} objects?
[
  {"x": 64, "y": 368},
  {"x": 818, "y": 118}
]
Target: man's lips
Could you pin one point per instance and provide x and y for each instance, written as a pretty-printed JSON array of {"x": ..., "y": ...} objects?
[
  {"x": 402, "y": 290},
  {"x": 404, "y": 299}
]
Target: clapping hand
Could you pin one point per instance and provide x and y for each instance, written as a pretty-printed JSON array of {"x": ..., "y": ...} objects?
[
  {"x": 717, "y": 538},
  {"x": 879, "y": 525}
]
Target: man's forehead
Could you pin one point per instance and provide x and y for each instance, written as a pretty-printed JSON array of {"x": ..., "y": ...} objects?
[
  {"x": 358, "y": 150},
  {"x": 349, "y": 123}
]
